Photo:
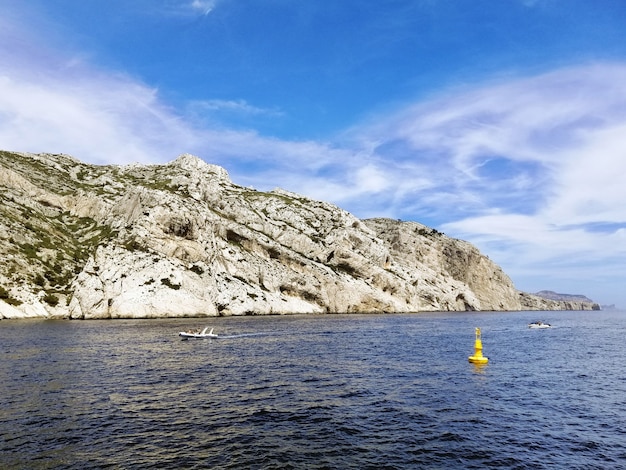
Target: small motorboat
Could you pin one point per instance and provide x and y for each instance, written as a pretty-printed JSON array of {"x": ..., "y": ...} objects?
[
  {"x": 197, "y": 334},
  {"x": 539, "y": 325}
]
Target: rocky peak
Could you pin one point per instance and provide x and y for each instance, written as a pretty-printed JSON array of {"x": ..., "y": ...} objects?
[{"x": 189, "y": 162}]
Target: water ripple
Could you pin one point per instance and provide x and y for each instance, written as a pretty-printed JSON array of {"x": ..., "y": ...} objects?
[{"x": 366, "y": 392}]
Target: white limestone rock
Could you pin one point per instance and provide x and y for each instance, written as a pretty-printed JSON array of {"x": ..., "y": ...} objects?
[{"x": 145, "y": 241}]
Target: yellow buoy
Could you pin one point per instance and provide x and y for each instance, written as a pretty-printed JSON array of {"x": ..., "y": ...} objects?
[{"x": 478, "y": 357}]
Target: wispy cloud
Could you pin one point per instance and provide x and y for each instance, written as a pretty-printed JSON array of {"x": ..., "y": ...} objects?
[
  {"x": 230, "y": 113},
  {"x": 182, "y": 8},
  {"x": 203, "y": 7},
  {"x": 236, "y": 106},
  {"x": 103, "y": 119},
  {"x": 522, "y": 133},
  {"x": 526, "y": 169}
]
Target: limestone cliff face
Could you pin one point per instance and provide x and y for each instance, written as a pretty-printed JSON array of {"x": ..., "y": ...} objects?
[{"x": 86, "y": 241}]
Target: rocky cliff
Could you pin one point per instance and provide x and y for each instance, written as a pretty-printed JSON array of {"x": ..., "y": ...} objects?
[
  {"x": 573, "y": 301},
  {"x": 142, "y": 241}
]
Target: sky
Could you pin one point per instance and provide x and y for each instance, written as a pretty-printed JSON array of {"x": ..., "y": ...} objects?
[{"x": 500, "y": 122}]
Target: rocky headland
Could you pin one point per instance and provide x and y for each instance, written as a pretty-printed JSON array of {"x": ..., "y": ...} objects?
[
  {"x": 85, "y": 241},
  {"x": 572, "y": 299}
]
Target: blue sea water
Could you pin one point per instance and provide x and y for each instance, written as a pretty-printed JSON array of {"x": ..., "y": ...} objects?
[{"x": 316, "y": 392}]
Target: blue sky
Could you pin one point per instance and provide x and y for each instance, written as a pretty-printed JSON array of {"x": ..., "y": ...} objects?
[{"x": 501, "y": 122}]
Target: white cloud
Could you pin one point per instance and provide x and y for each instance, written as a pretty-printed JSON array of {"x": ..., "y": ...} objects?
[
  {"x": 203, "y": 7},
  {"x": 235, "y": 106},
  {"x": 176, "y": 8},
  {"x": 229, "y": 113},
  {"x": 107, "y": 119},
  {"x": 561, "y": 130},
  {"x": 526, "y": 169},
  {"x": 591, "y": 184}
]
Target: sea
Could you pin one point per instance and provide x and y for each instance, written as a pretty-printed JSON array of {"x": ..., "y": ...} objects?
[{"x": 393, "y": 391}]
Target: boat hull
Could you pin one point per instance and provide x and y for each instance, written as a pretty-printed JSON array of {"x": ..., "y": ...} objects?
[
  {"x": 182, "y": 334},
  {"x": 197, "y": 334}
]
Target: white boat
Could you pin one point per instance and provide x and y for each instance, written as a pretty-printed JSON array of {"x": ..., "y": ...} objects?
[
  {"x": 197, "y": 334},
  {"x": 539, "y": 325}
]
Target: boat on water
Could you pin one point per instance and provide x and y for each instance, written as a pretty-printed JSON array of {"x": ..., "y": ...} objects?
[
  {"x": 539, "y": 325},
  {"x": 197, "y": 334}
]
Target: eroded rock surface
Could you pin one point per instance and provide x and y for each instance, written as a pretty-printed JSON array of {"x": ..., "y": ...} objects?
[{"x": 145, "y": 241}]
